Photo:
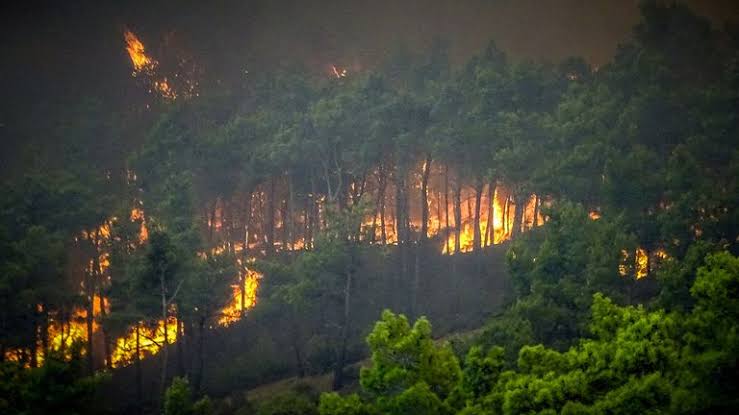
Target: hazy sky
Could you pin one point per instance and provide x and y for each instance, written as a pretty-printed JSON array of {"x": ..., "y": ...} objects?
[{"x": 57, "y": 51}]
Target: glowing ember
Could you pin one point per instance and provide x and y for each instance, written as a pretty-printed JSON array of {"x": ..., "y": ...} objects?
[{"x": 338, "y": 73}]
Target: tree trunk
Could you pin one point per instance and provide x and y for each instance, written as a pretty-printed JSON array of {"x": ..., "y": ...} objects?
[
  {"x": 381, "y": 204},
  {"x": 401, "y": 225},
  {"x": 490, "y": 227},
  {"x": 518, "y": 215},
  {"x": 245, "y": 250},
  {"x": 400, "y": 210},
  {"x": 198, "y": 377},
  {"x": 290, "y": 211},
  {"x": 424, "y": 199},
  {"x": 341, "y": 358},
  {"x": 106, "y": 342},
  {"x": 180, "y": 351},
  {"x": 446, "y": 208},
  {"x": 270, "y": 213},
  {"x": 165, "y": 349},
  {"x": 296, "y": 346},
  {"x": 284, "y": 230},
  {"x": 423, "y": 237},
  {"x": 477, "y": 238},
  {"x": 89, "y": 320},
  {"x": 535, "y": 222},
  {"x": 457, "y": 217},
  {"x": 506, "y": 215},
  {"x": 34, "y": 339},
  {"x": 45, "y": 332},
  {"x": 139, "y": 377}
]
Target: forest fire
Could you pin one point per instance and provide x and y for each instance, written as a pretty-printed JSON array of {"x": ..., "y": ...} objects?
[
  {"x": 141, "y": 62},
  {"x": 146, "y": 339},
  {"x": 240, "y": 303},
  {"x": 146, "y": 67}
]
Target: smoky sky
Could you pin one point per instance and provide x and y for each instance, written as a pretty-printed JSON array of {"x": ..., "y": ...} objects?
[{"x": 58, "y": 51}]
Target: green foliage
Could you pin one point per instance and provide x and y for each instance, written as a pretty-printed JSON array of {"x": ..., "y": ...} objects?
[
  {"x": 292, "y": 403},
  {"x": 57, "y": 386},
  {"x": 404, "y": 356},
  {"x": 554, "y": 271},
  {"x": 409, "y": 372},
  {"x": 635, "y": 361},
  {"x": 178, "y": 400}
]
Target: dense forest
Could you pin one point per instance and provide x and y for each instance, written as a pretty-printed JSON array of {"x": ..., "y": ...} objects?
[{"x": 571, "y": 231}]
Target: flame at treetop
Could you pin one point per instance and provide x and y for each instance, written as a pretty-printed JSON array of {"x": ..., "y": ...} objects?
[
  {"x": 147, "y": 66},
  {"x": 141, "y": 62}
]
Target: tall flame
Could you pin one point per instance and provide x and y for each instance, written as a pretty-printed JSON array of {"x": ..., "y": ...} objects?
[
  {"x": 141, "y": 62},
  {"x": 150, "y": 341},
  {"x": 234, "y": 310}
]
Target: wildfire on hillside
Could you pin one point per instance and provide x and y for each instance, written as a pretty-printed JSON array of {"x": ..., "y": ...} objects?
[
  {"x": 238, "y": 304},
  {"x": 150, "y": 338},
  {"x": 148, "y": 69}
]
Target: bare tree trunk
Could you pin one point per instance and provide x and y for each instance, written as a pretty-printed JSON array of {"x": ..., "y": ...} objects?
[
  {"x": 381, "y": 203},
  {"x": 284, "y": 230},
  {"x": 270, "y": 213},
  {"x": 139, "y": 377},
  {"x": 446, "y": 208},
  {"x": 198, "y": 377},
  {"x": 457, "y": 217},
  {"x": 34, "y": 339},
  {"x": 106, "y": 342},
  {"x": 306, "y": 221},
  {"x": 341, "y": 358},
  {"x": 165, "y": 341},
  {"x": 424, "y": 199},
  {"x": 296, "y": 346},
  {"x": 423, "y": 237},
  {"x": 98, "y": 278},
  {"x": 518, "y": 214},
  {"x": 290, "y": 211},
  {"x": 400, "y": 209},
  {"x": 490, "y": 228},
  {"x": 536, "y": 211},
  {"x": 89, "y": 320},
  {"x": 180, "y": 351},
  {"x": 245, "y": 250},
  {"x": 45, "y": 332},
  {"x": 506, "y": 214},
  {"x": 477, "y": 238}
]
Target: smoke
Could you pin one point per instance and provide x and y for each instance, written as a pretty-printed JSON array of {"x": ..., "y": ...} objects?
[{"x": 57, "y": 52}]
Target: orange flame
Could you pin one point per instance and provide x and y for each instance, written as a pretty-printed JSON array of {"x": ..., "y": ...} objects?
[
  {"x": 234, "y": 311},
  {"x": 141, "y": 62},
  {"x": 150, "y": 339}
]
